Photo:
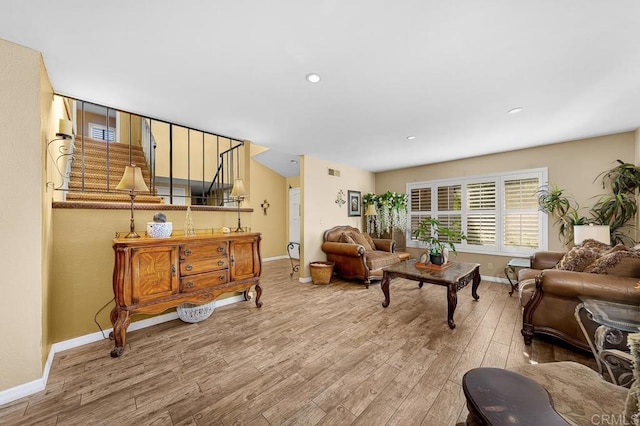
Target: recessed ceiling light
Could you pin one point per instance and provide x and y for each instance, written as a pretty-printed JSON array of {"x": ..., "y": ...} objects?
[
  {"x": 515, "y": 110},
  {"x": 410, "y": 138},
  {"x": 313, "y": 78}
]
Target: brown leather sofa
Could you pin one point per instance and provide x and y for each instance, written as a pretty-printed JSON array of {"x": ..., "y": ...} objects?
[
  {"x": 354, "y": 259},
  {"x": 549, "y": 296}
]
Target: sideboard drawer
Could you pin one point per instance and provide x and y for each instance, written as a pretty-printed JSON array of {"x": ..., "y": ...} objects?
[
  {"x": 198, "y": 251},
  {"x": 198, "y": 266},
  {"x": 197, "y": 282}
]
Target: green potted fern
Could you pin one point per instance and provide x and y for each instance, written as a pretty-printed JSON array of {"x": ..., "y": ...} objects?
[{"x": 438, "y": 237}]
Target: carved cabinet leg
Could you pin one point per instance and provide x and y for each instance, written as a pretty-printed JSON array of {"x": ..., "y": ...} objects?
[
  {"x": 119, "y": 331},
  {"x": 475, "y": 284},
  {"x": 258, "y": 294}
]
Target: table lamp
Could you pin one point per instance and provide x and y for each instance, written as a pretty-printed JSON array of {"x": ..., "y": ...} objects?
[
  {"x": 238, "y": 193},
  {"x": 371, "y": 211},
  {"x": 133, "y": 182},
  {"x": 595, "y": 232}
]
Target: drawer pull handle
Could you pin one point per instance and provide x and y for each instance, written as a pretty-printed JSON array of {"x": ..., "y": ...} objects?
[
  {"x": 188, "y": 267},
  {"x": 220, "y": 262},
  {"x": 190, "y": 284},
  {"x": 187, "y": 252},
  {"x": 222, "y": 277},
  {"x": 173, "y": 270},
  {"x": 220, "y": 249}
]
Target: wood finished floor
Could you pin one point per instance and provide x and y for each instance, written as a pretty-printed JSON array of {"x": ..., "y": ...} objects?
[{"x": 328, "y": 355}]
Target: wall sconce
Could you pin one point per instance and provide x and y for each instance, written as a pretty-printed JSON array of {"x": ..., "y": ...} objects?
[
  {"x": 133, "y": 182},
  {"x": 238, "y": 192}
]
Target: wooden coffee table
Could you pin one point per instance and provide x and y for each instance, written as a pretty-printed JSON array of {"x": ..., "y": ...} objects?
[
  {"x": 502, "y": 397},
  {"x": 455, "y": 277}
]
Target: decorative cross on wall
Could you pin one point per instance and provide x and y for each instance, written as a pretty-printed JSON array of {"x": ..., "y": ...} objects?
[
  {"x": 265, "y": 206},
  {"x": 340, "y": 198}
]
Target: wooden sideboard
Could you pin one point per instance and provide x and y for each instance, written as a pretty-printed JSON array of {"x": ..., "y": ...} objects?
[{"x": 152, "y": 275}]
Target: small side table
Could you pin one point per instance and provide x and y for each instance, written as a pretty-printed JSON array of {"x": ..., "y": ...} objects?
[
  {"x": 291, "y": 247},
  {"x": 511, "y": 271},
  {"x": 616, "y": 321}
]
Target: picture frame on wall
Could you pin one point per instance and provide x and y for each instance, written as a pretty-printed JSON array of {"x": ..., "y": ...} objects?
[{"x": 354, "y": 203}]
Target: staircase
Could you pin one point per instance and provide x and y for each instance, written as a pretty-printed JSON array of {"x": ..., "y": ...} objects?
[{"x": 98, "y": 187}]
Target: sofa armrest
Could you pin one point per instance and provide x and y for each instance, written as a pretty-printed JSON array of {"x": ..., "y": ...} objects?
[
  {"x": 384, "y": 244},
  {"x": 343, "y": 249},
  {"x": 545, "y": 259},
  {"x": 526, "y": 274},
  {"x": 572, "y": 284}
]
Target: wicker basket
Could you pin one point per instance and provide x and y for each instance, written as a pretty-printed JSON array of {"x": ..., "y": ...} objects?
[
  {"x": 189, "y": 312},
  {"x": 321, "y": 272}
]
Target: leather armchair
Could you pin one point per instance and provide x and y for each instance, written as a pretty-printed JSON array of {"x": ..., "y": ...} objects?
[
  {"x": 549, "y": 297},
  {"x": 353, "y": 261}
]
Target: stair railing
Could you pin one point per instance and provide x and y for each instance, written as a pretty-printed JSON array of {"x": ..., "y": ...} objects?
[{"x": 221, "y": 184}]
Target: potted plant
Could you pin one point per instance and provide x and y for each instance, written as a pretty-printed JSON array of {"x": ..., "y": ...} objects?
[
  {"x": 615, "y": 209},
  {"x": 438, "y": 237}
]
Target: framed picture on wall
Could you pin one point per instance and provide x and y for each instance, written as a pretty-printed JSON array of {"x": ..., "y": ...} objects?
[{"x": 354, "y": 203}]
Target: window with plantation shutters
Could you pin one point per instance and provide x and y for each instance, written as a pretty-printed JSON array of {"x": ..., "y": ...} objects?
[
  {"x": 498, "y": 213},
  {"x": 481, "y": 214},
  {"x": 521, "y": 224},
  {"x": 102, "y": 133}
]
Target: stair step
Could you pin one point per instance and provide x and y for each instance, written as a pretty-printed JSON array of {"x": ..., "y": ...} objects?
[
  {"x": 123, "y": 160},
  {"x": 113, "y": 198},
  {"x": 101, "y": 176},
  {"x": 101, "y": 168},
  {"x": 101, "y": 145}
]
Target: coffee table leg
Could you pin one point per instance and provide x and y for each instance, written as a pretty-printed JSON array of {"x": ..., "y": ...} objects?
[
  {"x": 385, "y": 289},
  {"x": 476, "y": 283},
  {"x": 452, "y": 299}
]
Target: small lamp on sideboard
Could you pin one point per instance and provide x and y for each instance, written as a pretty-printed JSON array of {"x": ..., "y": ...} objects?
[
  {"x": 133, "y": 182},
  {"x": 238, "y": 193}
]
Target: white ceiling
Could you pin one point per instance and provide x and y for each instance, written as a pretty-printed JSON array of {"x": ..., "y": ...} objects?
[{"x": 446, "y": 72}]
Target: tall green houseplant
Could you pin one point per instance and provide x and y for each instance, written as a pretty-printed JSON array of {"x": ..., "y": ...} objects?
[{"x": 616, "y": 209}]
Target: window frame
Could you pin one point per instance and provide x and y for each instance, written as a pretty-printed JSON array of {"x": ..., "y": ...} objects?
[{"x": 500, "y": 247}]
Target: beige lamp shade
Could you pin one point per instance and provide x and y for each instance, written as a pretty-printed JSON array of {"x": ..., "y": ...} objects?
[
  {"x": 595, "y": 232},
  {"x": 132, "y": 180},
  {"x": 371, "y": 210},
  {"x": 238, "y": 190}
]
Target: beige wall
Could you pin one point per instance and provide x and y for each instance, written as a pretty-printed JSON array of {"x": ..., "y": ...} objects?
[
  {"x": 22, "y": 227},
  {"x": 268, "y": 185},
  {"x": 320, "y": 211},
  {"x": 572, "y": 165}
]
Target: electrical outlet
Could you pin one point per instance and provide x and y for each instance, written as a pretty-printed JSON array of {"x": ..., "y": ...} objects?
[{"x": 490, "y": 266}]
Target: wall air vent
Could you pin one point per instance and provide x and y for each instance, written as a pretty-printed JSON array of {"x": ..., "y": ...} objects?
[{"x": 334, "y": 172}]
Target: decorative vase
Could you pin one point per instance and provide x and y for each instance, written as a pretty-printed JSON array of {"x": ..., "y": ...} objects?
[{"x": 436, "y": 259}]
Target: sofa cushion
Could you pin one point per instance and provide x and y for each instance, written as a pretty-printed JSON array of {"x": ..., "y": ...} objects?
[
  {"x": 579, "y": 394},
  {"x": 379, "y": 259},
  {"x": 346, "y": 238},
  {"x": 370, "y": 241},
  {"x": 360, "y": 239},
  {"x": 623, "y": 263},
  {"x": 577, "y": 259}
]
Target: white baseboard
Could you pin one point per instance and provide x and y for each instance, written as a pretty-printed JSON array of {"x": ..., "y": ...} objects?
[
  {"x": 38, "y": 385},
  {"x": 270, "y": 259},
  {"x": 21, "y": 391},
  {"x": 494, "y": 279},
  {"x": 304, "y": 280}
]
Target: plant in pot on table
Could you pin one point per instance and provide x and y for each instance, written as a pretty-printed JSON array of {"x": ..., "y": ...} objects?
[{"x": 438, "y": 237}]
